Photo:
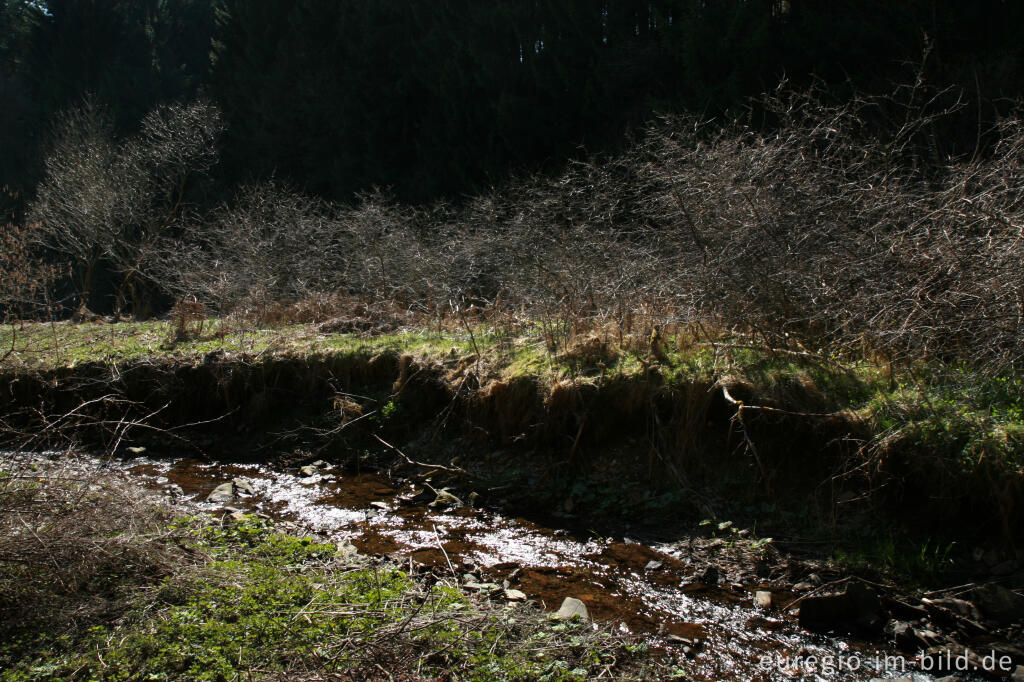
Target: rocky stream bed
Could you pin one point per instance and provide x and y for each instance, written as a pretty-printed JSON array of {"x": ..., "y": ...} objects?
[{"x": 726, "y": 607}]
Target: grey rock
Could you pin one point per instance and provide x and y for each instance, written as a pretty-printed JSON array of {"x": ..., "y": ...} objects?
[
  {"x": 902, "y": 633},
  {"x": 951, "y": 606},
  {"x": 709, "y": 576},
  {"x": 653, "y": 565},
  {"x": 763, "y": 598},
  {"x": 308, "y": 471},
  {"x": 229, "y": 492},
  {"x": 515, "y": 595},
  {"x": 482, "y": 587},
  {"x": 929, "y": 637},
  {"x": 901, "y": 610},
  {"x": 571, "y": 608},
  {"x": 446, "y": 499},
  {"x": 222, "y": 494},
  {"x": 908, "y": 637},
  {"x": 242, "y": 487},
  {"x": 379, "y": 505},
  {"x": 858, "y": 608},
  {"x": 998, "y": 603}
]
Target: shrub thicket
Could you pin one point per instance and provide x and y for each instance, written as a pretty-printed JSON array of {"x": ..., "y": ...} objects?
[{"x": 847, "y": 226}]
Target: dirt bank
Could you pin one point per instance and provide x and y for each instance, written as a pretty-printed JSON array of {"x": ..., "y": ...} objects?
[{"x": 685, "y": 444}]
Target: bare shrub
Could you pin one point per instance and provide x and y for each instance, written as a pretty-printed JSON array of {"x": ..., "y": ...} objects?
[
  {"x": 267, "y": 247},
  {"x": 25, "y": 277},
  {"x": 89, "y": 192},
  {"x": 108, "y": 201},
  {"x": 188, "y": 317},
  {"x": 379, "y": 251},
  {"x": 71, "y": 542},
  {"x": 273, "y": 253},
  {"x": 840, "y": 227}
]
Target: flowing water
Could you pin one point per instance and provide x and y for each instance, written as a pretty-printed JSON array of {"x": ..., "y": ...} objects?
[{"x": 655, "y": 591}]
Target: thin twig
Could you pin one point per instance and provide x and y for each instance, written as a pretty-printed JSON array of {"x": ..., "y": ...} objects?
[{"x": 453, "y": 470}]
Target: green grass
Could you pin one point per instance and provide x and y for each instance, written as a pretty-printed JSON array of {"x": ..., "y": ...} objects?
[
  {"x": 912, "y": 559},
  {"x": 39, "y": 346}
]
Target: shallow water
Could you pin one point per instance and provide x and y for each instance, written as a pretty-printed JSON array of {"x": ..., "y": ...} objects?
[{"x": 715, "y": 631}]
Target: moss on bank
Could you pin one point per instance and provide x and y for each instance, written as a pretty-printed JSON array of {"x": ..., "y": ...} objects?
[{"x": 930, "y": 444}]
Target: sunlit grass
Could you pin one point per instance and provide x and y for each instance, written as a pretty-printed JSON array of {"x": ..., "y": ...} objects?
[{"x": 966, "y": 414}]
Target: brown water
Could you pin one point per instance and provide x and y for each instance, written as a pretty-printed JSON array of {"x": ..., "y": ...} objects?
[{"x": 714, "y": 630}]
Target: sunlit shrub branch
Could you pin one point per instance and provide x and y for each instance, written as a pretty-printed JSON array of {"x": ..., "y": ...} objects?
[{"x": 840, "y": 227}]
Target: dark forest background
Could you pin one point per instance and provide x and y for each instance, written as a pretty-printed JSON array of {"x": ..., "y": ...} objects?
[{"x": 443, "y": 98}]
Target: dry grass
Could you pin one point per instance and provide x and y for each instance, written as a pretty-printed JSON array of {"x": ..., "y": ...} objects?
[{"x": 71, "y": 541}]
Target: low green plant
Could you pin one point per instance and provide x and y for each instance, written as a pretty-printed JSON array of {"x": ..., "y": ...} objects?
[
  {"x": 905, "y": 557},
  {"x": 281, "y": 604}
]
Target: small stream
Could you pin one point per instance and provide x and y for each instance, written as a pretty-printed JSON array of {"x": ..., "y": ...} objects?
[{"x": 656, "y": 591}]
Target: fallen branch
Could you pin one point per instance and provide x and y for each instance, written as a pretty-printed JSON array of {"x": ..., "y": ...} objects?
[
  {"x": 452, "y": 470},
  {"x": 746, "y": 436},
  {"x": 775, "y": 410}
]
